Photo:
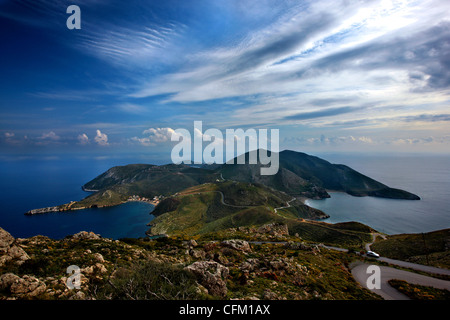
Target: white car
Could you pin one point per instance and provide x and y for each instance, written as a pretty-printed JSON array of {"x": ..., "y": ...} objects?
[{"x": 372, "y": 254}]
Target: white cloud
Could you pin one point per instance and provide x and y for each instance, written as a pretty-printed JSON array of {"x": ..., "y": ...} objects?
[
  {"x": 49, "y": 136},
  {"x": 155, "y": 136},
  {"x": 101, "y": 138},
  {"x": 83, "y": 139},
  {"x": 9, "y": 134}
]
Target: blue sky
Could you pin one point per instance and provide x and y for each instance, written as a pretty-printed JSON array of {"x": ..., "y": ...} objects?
[{"x": 364, "y": 76}]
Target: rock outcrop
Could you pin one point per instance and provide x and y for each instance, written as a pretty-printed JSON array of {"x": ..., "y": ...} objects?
[
  {"x": 25, "y": 287},
  {"x": 239, "y": 245},
  {"x": 9, "y": 250},
  {"x": 211, "y": 275},
  {"x": 84, "y": 235},
  {"x": 275, "y": 229}
]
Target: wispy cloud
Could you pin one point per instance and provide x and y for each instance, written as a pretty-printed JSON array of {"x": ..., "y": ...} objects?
[
  {"x": 132, "y": 108},
  {"x": 320, "y": 113},
  {"x": 356, "y": 71},
  {"x": 296, "y": 67},
  {"x": 130, "y": 46}
]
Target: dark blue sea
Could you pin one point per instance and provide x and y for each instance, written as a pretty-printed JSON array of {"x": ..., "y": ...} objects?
[
  {"x": 427, "y": 176},
  {"x": 28, "y": 183},
  {"x": 32, "y": 182}
]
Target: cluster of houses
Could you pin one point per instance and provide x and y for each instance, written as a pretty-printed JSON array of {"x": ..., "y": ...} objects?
[{"x": 154, "y": 201}]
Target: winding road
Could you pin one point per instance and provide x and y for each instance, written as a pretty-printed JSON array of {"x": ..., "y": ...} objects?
[
  {"x": 288, "y": 205},
  {"x": 415, "y": 266},
  {"x": 361, "y": 274},
  {"x": 222, "y": 200}
]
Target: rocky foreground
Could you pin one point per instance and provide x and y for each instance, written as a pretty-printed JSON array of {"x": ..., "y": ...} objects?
[{"x": 216, "y": 266}]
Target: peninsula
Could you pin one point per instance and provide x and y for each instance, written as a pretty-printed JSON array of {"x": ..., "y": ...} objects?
[{"x": 300, "y": 175}]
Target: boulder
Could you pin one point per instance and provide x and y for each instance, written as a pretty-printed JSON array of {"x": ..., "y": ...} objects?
[
  {"x": 84, "y": 235},
  {"x": 7, "y": 279},
  {"x": 275, "y": 229},
  {"x": 249, "y": 265},
  {"x": 192, "y": 243},
  {"x": 98, "y": 257},
  {"x": 25, "y": 287},
  {"x": 197, "y": 253},
  {"x": 9, "y": 251},
  {"x": 96, "y": 269},
  {"x": 211, "y": 275},
  {"x": 6, "y": 240},
  {"x": 239, "y": 245},
  {"x": 269, "y": 295}
]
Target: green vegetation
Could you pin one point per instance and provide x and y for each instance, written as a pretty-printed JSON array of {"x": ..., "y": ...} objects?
[
  {"x": 119, "y": 183},
  {"x": 308, "y": 176},
  {"x": 149, "y": 280},
  {"x": 424, "y": 248},
  {"x": 199, "y": 210},
  {"x": 417, "y": 292},
  {"x": 337, "y": 177},
  {"x": 341, "y": 235},
  {"x": 102, "y": 198},
  {"x": 221, "y": 205},
  {"x": 155, "y": 269}
]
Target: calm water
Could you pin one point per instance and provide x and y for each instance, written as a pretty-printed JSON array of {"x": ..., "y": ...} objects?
[
  {"x": 426, "y": 176},
  {"x": 29, "y": 184}
]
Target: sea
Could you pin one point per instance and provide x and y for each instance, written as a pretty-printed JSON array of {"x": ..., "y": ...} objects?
[
  {"x": 427, "y": 176},
  {"x": 34, "y": 182}
]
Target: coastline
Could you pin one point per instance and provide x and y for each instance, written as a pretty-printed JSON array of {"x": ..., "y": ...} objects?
[{"x": 68, "y": 206}]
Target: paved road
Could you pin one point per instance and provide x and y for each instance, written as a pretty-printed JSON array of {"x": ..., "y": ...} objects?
[
  {"x": 405, "y": 264},
  {"x": 222, "y": 200},
  {"x": 288, "y": 205},
  {"x": 360, "y": 274}
]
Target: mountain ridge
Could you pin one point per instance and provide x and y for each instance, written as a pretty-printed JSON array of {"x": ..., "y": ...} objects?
[{"x": 310, "y": 176}]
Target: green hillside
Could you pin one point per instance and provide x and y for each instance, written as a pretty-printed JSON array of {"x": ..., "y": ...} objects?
[
  {"x": 424, "y": 248},
  {"x": 220, "y": 206},
  {"x": 309, "y": 176}
]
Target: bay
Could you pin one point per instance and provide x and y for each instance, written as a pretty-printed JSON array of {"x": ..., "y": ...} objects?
[
  {"x": 426, "y": 176},
  {"x": 27, "y": 184}
]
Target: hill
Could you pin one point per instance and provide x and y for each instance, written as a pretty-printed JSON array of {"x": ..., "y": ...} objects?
[
  {"x": 119, "y": 183},
  {"x": 219, "y": 206},
  {"x": 309, "y": 176},
  {"x": 424, "y": 248},
  {"x": 175, "y": 269}
]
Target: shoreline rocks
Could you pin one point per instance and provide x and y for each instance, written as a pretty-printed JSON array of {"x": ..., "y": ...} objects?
[{"x": 42, "y": 210}]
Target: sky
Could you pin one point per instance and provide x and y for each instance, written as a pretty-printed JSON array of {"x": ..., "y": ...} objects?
[{"x": 332, "y": 76}]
